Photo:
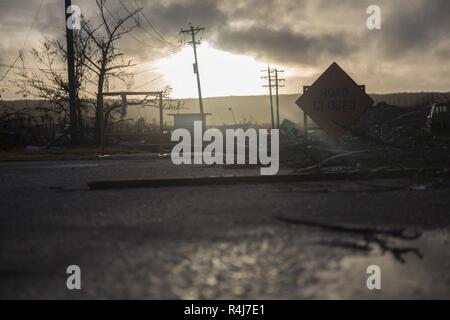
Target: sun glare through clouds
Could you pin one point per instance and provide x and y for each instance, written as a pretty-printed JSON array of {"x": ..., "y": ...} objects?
[{"x": 222, "y": 73}]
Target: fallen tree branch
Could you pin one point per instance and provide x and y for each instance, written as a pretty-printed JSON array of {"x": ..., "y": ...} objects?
[
  {"x": 393, "y": 232},
  {"x": 369, "y": 234}
]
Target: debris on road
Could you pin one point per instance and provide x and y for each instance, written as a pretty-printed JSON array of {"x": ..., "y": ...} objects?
[{"x": 369, "y": 235}]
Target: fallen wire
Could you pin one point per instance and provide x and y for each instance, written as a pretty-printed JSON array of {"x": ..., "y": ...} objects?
[{"x": 339, "y": 156}]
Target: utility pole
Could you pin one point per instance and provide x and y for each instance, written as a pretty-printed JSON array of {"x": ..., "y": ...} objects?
[
  {"x": 305, "y": 116},
  {"x": 278, "y": 85},
  {"x": 269, "y": 78},
  {"x": 274, "y": 82},
  {"x": 71, "y": 77},
  {"x": 193, "y": 32},
  {"x": 161, "y": 122},
  {"x": 232, "y": 113}
]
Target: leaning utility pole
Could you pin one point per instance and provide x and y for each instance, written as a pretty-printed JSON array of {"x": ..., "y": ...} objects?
[
  {"x": 193, "y": 31},
  {"x": 278, "y": 85},
  {"x": 269, "y": 78},
  {"x": 71, "y": 76}
]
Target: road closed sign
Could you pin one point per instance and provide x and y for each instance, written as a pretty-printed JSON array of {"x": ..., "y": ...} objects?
[{"x": 334, "y": 101}]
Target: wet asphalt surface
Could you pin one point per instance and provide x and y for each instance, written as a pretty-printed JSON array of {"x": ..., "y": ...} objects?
[{"x": 212, "y": 242}]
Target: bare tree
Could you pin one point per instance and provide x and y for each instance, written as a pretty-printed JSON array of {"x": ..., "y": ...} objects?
[
  {"x": 98, "y": 60},
  {"x": 49, "y": 84},
  {"x": 105, "y": 59}
]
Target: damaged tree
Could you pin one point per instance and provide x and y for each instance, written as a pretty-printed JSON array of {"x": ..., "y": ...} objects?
[
  {"x": 105, "y": 60},
  {"x": 98, "y": 60},
  {"x": 49, "y": 83}
]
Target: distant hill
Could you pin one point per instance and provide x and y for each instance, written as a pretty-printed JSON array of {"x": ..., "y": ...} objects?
[
  {"x": 257, "y": 108},
  {"x": 253, "y": 108}
]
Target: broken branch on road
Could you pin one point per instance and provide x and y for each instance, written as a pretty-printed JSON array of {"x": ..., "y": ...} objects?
[{"x": 370, "y": 235}]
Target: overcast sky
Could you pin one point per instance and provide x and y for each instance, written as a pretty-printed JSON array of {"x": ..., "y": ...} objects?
[{"x": 410, "y": 53}]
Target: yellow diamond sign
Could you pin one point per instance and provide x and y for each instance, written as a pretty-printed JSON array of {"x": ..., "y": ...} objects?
[{"x": 334, "y": 101}]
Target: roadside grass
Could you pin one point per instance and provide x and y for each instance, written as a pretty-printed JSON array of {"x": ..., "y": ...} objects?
[{"x": 63, "y": 153}]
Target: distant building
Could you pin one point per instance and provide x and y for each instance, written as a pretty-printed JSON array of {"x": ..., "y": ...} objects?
[{"x": 186, "y": 120}]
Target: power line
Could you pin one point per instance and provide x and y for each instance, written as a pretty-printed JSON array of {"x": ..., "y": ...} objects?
[
  {"x": 161, "y": 38},
  {"x": 151, "y": 81},
  {"x": 144, "y": 43},
  {"x": 138, "y": 22},
  {"x": 145, "y": 30},
  {"x": 19, "y": 56},
  {"x": 130, "y": 33},
  {"x": 47, "y": 70},
  {"x": 157, "y": 56},
  {"x": 152, "y": 26},
  {"x": 154, "y": 57},
  {"x": 31, "y": 68},
  {"x": 143, "y": 71}
]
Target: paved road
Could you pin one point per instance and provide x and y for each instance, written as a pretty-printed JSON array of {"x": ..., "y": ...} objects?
[{"x": 213, "y": 241}]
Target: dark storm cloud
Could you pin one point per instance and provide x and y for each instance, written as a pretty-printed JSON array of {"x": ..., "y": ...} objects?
[
  {"x": 295, "y": 32},
  {"x": 261, "y": 30},
  {"x": 266, "y": 28},
  {"x": 16, "y": 19},
  {"x": 284, "y": 45},
  {"x": 180, "y": 13},
  {"x": 417, "y": 25}
]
